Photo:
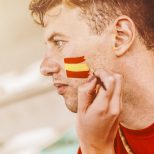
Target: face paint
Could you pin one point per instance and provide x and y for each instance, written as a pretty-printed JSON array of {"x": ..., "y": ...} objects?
[{"x": 76, "y": 68}]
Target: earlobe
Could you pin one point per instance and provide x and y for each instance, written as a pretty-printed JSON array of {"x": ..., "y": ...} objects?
[{"x": 124, "y": 35}]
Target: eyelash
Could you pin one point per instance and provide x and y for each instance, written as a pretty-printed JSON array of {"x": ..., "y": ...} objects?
[{"x": 59, "y": 41}]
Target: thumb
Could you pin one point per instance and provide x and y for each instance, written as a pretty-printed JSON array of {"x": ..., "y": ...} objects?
[{"x": 86, "y": 94}]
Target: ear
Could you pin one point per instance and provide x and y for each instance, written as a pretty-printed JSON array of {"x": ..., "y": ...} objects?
[{"x": 124, "y": 35}]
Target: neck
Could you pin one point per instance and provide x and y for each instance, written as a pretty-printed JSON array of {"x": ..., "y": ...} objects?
[{"x": 138, "y": 98}]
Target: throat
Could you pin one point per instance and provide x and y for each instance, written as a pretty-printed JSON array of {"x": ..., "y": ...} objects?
[{"x": 137, "y": 110}]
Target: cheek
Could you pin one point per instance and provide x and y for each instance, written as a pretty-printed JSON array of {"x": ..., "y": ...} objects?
[
  {"x": 102, "y": 58},
  {"x": 72, "y": 50},
  {"x": 94, "y": 60},
  {"x": 75, "y": 83}
]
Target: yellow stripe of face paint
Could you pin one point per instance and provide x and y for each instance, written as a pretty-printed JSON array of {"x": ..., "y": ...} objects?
[{"x": 76, "y": 67}]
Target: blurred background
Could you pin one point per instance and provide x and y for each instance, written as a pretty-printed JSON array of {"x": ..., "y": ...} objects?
[{"x": 33, "y": 118}]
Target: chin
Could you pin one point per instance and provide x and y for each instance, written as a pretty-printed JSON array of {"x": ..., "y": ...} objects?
[{"x": 72, "y": 104}]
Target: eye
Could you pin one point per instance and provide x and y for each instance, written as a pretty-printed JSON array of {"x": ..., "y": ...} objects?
[{"x": 59, "y": 43}]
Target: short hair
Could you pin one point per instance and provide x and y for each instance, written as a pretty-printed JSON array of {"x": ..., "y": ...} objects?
[{"x": 99, "y": 13}]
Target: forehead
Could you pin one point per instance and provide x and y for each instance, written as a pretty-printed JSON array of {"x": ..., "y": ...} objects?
[{"x": 64, "y": 19}]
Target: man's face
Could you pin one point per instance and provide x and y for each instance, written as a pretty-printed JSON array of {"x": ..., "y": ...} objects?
[{"x": 67, "y": 34}]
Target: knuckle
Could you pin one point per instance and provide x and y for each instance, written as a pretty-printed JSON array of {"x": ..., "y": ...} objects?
[
  {"x": 114, "y": 113},
  {"x": 101, "y": 112},
  {"x": 118, "y": 77},
  {"x": 106, "y": 95},
  {"x": 111, "y": 79}
]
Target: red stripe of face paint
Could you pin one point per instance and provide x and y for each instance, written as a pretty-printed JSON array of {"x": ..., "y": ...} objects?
[
  {"x": 74, "y": 60},
  {"x": 83, "y": 74}
]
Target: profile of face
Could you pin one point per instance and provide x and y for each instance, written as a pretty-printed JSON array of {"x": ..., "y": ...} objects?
[{"x": 67, "y": 34}]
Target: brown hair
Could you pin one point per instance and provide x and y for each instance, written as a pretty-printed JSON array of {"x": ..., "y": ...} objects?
[{"x": 99, "y": 13}]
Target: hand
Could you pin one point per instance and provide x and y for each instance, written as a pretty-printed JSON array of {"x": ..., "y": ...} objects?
[{"x": 99, "y": 108}]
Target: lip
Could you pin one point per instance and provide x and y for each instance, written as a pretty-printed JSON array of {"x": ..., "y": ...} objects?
[{"x": 61, "y": 88}]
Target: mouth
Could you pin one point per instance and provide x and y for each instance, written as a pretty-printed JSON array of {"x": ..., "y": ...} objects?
[{"x": 61, "y": 87}]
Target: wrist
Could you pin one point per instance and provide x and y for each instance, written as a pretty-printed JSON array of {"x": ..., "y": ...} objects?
[
  {"x": 102, "y": 151},
  {"x": 105, "y": 150}
]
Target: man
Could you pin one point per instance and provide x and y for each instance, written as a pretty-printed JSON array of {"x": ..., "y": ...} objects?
[{"x": 115, "y": 104}]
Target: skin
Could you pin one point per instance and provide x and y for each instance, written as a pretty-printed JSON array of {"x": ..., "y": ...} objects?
[{"x": 119, "y": 90}]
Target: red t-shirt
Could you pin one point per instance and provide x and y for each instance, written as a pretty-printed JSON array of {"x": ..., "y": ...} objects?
[{"x": 140, "y": 141}]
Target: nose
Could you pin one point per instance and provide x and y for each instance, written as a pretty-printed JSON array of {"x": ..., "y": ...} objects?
[{"x": 49, "y": 67}]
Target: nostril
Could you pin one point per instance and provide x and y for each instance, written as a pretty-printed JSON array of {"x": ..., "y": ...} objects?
[
  {"x": 48, "y": 71},
  {"x": 49, "y": 74}
]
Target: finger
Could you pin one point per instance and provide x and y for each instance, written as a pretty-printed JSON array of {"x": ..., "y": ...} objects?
[
  {"x": 106, "y": 79},
  {"x": 102, "y": 100},
  {"x": 115, "y": 125},
  {"x": 100, "y": 103},
  {"x": 86, "y": 94},
  {"x": 116, "y": 101}
]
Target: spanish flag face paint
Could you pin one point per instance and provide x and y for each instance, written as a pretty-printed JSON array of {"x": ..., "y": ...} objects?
[{"x": 76, "y": 68}]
